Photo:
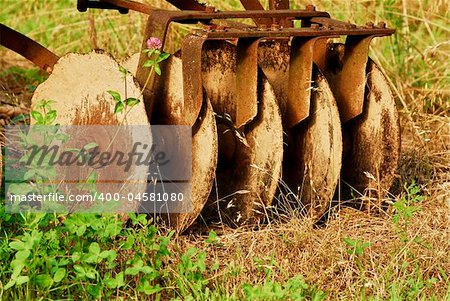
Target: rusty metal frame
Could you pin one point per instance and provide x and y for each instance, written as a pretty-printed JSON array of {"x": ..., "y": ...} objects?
[
  {"x": 187, "y": 5},
  {"x": 122, "y": 7},
  {"x": 252, "y": 5},
  {"x": 300, "y": 80},
  {"x": 308, "y": 45},
  {"x": 256, "y": 5},
  {"x": 191, "y": 54},
  {"x": 246, "y": 98},
  {"x": 31, "y": 50},
  {"x": 290, "y": 32},
  {"x": 246, "y": 80},
  {"x": 83, "y": 5},
  {"x": 302, "y": 56},
  {"x": 347, "y": 83},
  {"x": 281, "y": 5}
]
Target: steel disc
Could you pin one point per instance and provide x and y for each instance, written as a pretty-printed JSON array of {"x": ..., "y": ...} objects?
[
  {"x": 78, "y": 86},
  {"x": 204, "y": 139},
  {"x": 314, "y": 152},
  {"x": 250, "y": 158},
  {"x": 373, "y": 139},
  {"x": 313, "y": 148}
]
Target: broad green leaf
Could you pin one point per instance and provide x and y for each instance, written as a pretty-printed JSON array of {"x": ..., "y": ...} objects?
[
  {"x": 91, "y": 258},
  {"x": 44, "y": 280},
  {"x": 22, "y": 279},
  {"x": 50, "y": 117},
  {"x": 19, "y": 118},
  {"x": 59, "y": 275},
  {"x": 163, "y": 56},
  {"x": 18, "y": 245},
  {"x": 94, "y": 248},
  {"x": 20, "y": 189},
  {"x": 10, "y": 284},
  {"x": 22, "y": 255},
  {"x": 114, "y": 282},
  {"x": 133, "y": 271},
  {"x": 80, "y": 231},
  {"x": 17, "y": 266},
  {"x": 109, "y": 281},
  {"x": 158, "y": 69},
  {"x": 147, "y": 270},
  {"x": 212, "y": 237},
  {"x": 131, "y": 102},
  {"x": 146, "y": 288},
  {"x": 120, "y": 279},
  {"x": 119, "y": 107},
  {"x": 79, "y": 270},
  {"x": 116, "y": 96},
  {"x": 94, "y": 290},
  {"x": 109, "y": 255},
  {"x": 37, "y": 116},
  {"x": 129, "y": 243},
  {"x": 91, "y": 273},
  {"x": 148, "y": 63}
]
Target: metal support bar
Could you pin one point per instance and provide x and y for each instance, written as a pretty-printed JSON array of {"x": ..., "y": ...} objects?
[
  {"x": 29, "y": 49},
  {"x": 256, "y": 5},
  {"x": 246, "y": 97},
  {"x": 191, "y": 56},
  {"x": 157, "y": 26},
  {"x": 281, "y": 5},
  {"x": 192, "y": 17},
  {"x": 252, "y": 5},
  {"x": 291, "y": 32},
  {"x": 246, "y": 81},
  {"x": 332, "y": 23},
  {"x": 83, "y": 5},
  {"x": 347, "y": 78},
  {"x": 187, "y": 5},
  {"x": 300, "y": 80}
]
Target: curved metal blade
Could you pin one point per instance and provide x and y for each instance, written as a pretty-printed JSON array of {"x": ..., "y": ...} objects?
[
  {"x": 204, "y": 140},
  {"x": 313, "y": 159},
  {"x": 29, "y": 49},
  {"x": 250, "y": 157},
  {"x": 81, "y": 99},
  {"x": 372, "y": 140}
]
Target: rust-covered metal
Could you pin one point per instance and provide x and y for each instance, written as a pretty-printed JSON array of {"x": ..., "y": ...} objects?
[
  {"x": 299, "y": 81},
  {"x": 191, "y": 57},
  {"x": 347, "y": 76},
  {"x": 261, "y": 80},
  {"x": 246, "y": 81},
  {"x": 347, "y": 83},
  {"x": 29, "y": 49},
  {"x": 256, "y": 5},
  {"x": 84, "y": 5}
]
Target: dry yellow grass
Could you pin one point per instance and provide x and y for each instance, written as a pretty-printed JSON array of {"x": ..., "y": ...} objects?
[{"x": 320, "y": 254}]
